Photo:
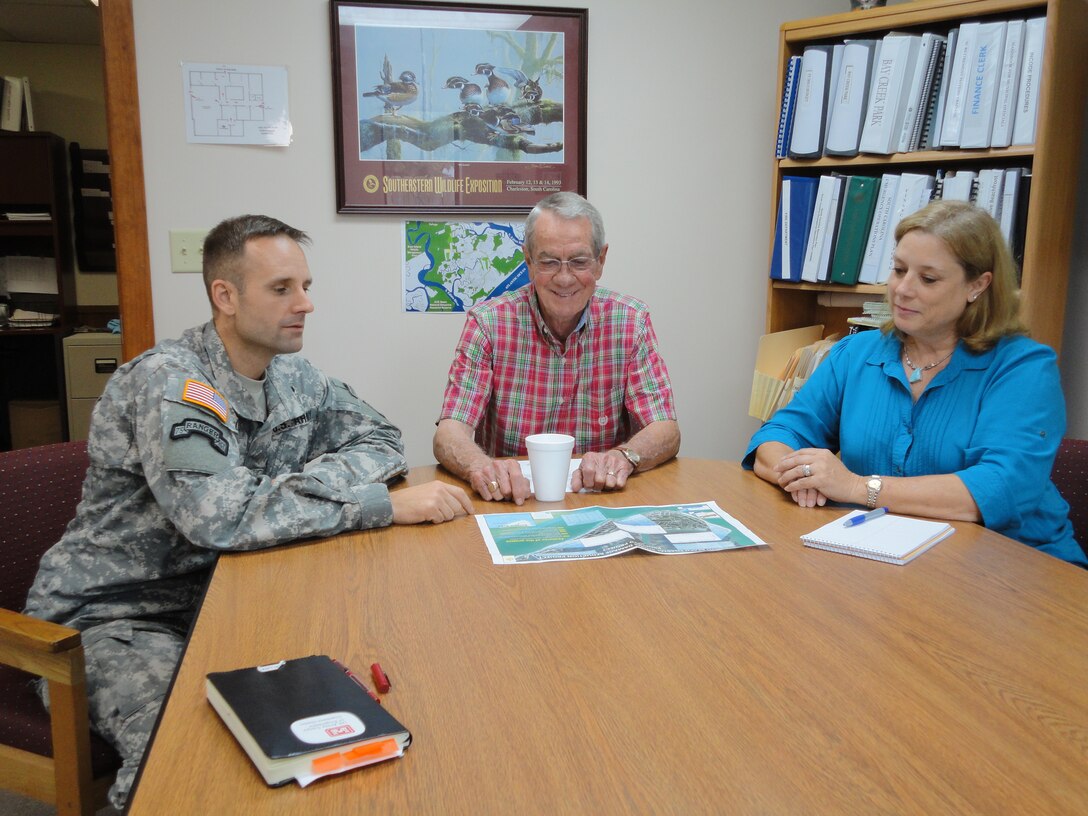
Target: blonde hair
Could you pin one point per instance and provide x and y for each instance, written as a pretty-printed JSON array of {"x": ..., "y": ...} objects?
[{"x": 975, "y": 239}]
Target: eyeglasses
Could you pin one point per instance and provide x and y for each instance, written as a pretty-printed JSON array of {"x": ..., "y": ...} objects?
[{"x": 550, "y": 266}]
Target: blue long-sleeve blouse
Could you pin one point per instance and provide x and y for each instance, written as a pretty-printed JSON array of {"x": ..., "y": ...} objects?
[{"x": 993, "y": 419}]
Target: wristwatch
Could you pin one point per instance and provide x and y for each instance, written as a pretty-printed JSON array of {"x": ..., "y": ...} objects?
[
  {"x": 631, "y": 457},
  {"x": 873, "y": 487}
]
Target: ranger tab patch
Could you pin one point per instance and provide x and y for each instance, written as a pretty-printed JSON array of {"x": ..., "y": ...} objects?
[
  {"x": 203, "y": 395},
  {"x": 185, "y": 429}
]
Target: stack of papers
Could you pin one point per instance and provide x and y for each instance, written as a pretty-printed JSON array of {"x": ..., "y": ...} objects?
[
  {"x": 784, "y": 362},
  {"x": 26, "y": 216},
  {"x": 26, "y": 319}
]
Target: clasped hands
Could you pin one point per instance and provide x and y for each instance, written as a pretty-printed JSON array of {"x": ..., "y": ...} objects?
[
  {"x": 502, "y": 479},
  {"x": 813, "y": 475}
]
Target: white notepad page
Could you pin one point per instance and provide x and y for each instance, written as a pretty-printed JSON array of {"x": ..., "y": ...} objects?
[{"x": 895, "y": 539}]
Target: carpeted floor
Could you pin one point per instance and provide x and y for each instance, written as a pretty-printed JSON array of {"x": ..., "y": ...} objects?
[{"x": 12, "y": 805}]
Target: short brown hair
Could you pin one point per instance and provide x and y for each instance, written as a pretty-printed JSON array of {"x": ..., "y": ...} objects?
[
  {"x": 225, "y": 245},
  {"x": 974, "y": 237}
]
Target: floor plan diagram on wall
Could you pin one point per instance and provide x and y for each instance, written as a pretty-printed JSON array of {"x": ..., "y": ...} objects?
[{"x": 236, "y": 104}]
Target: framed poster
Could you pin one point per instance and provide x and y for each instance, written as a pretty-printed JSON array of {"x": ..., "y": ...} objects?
[{"x": 450, "y": 107}]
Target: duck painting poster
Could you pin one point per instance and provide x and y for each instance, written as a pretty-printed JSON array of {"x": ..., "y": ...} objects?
[{"x": 444, "y": 107}]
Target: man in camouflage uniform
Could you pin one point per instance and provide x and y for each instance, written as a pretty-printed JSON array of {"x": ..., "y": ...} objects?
[{"x": 215, "y": 442}]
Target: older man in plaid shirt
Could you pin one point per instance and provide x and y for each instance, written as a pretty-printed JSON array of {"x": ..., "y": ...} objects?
[{"x": 560, "y": 355}]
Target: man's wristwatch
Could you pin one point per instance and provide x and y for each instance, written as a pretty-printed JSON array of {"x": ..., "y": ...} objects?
[
  {"x": 873, "y": 487},
  {"x": 631, "y": 456}
]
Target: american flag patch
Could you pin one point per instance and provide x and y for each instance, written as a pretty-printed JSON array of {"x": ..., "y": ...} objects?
[{"x": 202, "y": 394}]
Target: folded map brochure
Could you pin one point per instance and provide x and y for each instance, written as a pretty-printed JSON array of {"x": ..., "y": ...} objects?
[
  {"x": 305, "y": 718},
  {"x": 599, "y": 532}
]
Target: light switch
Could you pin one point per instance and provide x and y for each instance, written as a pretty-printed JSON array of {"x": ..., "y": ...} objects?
[{"x": 187, "y": 250}]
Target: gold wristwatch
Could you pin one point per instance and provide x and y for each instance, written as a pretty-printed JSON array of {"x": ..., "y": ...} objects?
[{"x": 873, "y": 487}]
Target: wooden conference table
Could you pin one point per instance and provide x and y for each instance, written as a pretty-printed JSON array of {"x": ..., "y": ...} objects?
[{"x": 777, "y": 680}]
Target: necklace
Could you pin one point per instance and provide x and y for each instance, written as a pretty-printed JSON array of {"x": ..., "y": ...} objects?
[{"x": 916, "y": 371}]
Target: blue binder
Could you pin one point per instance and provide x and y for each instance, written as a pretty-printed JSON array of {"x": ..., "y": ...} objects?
[
  {"x": 789, "y": 106},
  {"x": 795, "y": 206}
]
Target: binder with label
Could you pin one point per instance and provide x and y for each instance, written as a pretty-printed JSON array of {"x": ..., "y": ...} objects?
[
  {"x": 1031, "y": 71},
  {"x": 846, "y": 109},
  {"x": 807, "y": 140},
  {"x": 795, "y": 208},
  {"x": 878, "y": 229},
  {"x": 932, "y": 138},
  {"x": 984, "y": 77},
  {"x": 859, "y": 201},
  {"x": 914, "y": 98},
  {"x": 952, "y": 123},
  {"x": 926, "y": 121},
  {"x": 892, "y": 74},
  {"x": 1005, "y": 107},
  {"x": 821, "y": 235}
]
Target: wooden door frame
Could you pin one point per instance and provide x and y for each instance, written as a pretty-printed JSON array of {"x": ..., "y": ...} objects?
[{"x": 127, "y": 177}]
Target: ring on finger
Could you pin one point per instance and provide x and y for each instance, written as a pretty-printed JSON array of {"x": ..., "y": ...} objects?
[
  {"x": 493, "y": 486},
  {"x": 806, "y": 469},
  {"x": 611, "y": 473}
]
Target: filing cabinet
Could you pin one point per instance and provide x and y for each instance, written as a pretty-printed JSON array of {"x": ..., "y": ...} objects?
[{"x": 89, "y": 360}]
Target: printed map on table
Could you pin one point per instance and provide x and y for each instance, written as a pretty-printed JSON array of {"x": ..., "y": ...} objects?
[
  {"x": 598, "y": 532},
  {"x": 451, "y": 266}
]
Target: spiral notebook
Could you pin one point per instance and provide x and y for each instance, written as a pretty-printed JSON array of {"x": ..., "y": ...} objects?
[{"x": 894, "y": 539}]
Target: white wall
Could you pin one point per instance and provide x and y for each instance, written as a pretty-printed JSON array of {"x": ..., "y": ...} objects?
[
  {"x": 681, "y": 126},
  {"x": 681, "y": 122},
  {"x": 1074, "y": 362}
]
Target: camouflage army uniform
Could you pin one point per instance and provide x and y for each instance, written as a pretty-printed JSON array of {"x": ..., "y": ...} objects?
[{"x": 184, "y": 466}]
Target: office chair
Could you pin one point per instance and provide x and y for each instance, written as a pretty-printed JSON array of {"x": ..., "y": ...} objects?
[
  {"x": 52, "y": 758},
  {"x": 1070, "y": 475}
]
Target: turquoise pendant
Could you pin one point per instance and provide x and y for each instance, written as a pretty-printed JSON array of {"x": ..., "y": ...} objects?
[{"x": 915, "y": 375}]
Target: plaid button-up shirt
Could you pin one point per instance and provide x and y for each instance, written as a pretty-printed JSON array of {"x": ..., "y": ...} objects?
[{"x": 512, "y": 377}]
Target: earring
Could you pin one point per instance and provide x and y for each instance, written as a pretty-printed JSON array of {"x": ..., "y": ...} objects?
[{"x": 974, "y": 298}]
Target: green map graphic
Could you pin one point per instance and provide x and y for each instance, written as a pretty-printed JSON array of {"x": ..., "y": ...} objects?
[{"x": 451, "y": 266}]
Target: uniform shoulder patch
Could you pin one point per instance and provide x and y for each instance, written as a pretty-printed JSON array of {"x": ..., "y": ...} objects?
[
  {"x": 204, "y": 396},
  {"x": 343, "y": 386},
  {"x": 188, "y": 427}
]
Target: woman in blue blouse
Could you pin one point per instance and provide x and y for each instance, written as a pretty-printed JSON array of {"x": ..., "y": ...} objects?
[{"x": 949, "y": 411}]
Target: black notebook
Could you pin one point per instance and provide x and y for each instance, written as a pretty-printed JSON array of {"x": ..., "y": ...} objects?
[{"x": 305, "y": 718}]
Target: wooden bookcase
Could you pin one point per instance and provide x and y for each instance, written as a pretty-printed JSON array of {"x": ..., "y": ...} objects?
[
  {"x": 34, "y": 178},
  {"x": 1053, "y": 160}
]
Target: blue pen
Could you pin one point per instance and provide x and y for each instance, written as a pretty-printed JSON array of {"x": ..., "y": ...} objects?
[{"x": 853, "y": 521}]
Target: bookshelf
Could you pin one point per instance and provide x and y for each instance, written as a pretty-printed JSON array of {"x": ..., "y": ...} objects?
[
  {"x": 34, "y": 178},
  {"x": 1053, "y": 159}
]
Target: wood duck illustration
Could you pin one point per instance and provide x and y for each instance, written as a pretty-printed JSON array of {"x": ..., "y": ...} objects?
[
  {"x": 395, "y": 95},
  {"x": 510, "y": 123},
  {"x": 471, "y": 93},
  {"x": 511, "y": 75},
  {"x": 499, "y": 91},
  {"x": 500, "y": 120}
]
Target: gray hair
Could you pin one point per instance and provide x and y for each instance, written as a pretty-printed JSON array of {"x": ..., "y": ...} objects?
[
  {"x": 225, "y": 245},
  {"x": 567, "y": 206}
]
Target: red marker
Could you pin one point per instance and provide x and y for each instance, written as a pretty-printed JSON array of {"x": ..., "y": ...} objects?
[
  {"x": 380, "y": 678},
  {"x": 353, "y": 676}
]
